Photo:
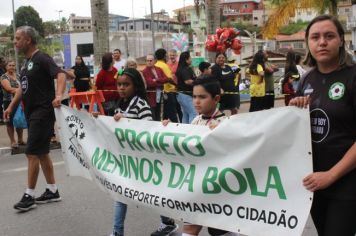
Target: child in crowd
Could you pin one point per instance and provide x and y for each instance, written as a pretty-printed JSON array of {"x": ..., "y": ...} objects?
[
  {"x": 133, "y": 105},
  {"x": 206, "y": 96},
  {"x": 287, "y": 89},
  {"x": 205, "y": 69}
]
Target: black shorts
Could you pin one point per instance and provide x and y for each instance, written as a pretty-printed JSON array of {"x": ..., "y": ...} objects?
[{"x": 40, "y": 132}]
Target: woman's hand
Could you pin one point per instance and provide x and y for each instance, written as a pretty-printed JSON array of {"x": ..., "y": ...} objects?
[
  {"x": 118, "y": 116},
  {"x": 95, "y": 114},
  {"x": 165, "y": 122},
  {"x": 301, "y": 102},
  {"x": 318, "y": 180}
]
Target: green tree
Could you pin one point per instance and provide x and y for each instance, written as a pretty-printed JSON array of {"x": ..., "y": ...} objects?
[
  {"x": 50, "y": 27},
  {"x": 284, "y": 9},
  {"x": 27, "y": 15}
]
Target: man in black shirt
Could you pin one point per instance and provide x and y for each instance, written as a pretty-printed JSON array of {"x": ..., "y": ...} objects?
[{"x": 39, "y": 97}]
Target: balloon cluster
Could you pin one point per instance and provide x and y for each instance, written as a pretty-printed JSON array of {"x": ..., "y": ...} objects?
[
  {"x": 180, "y": 42},
  {"x": 223, "y": 39}
]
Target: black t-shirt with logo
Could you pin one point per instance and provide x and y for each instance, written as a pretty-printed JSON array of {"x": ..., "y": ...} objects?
[
  {"x": 226, "y": 77},
  {"x": 183, "y": 74},
  {"x": 37, "y": 83},
  {"x": 333, "y": 123}
]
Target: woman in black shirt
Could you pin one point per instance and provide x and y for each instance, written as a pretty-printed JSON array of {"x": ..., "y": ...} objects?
[
  {"x": 330, "y": 91},
  {"x": 226, "y": 77},
  {"x": 81, "y": 74},
  {"x": 185, "y": 77}
]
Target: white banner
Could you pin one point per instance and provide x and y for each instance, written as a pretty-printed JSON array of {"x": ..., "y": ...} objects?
[{"x": 244, "y": 176}]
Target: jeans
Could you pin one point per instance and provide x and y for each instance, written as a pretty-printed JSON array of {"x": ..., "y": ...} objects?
[
  {"x": 120, "y": 210},
  {"x": 188, "y": 110},
  {"x": 170, "y": 111}
]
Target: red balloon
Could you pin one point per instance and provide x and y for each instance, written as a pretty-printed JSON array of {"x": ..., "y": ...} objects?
[
  {"x": 237, "y": 51},
  {"x": 211, "y": 43},
  {"x": 221, "y": 48},
  {"x": 233, "y": 33},
  {"x": 236, "y": 44},
  {"x": 225, "y": 35},
  {"x": 219, "y": 31}
]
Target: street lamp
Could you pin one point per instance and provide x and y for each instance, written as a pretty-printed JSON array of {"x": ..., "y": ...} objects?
[
  {"x": 59, "y": 21},
  {"x": 253, "y": 40},
  {"x": 152, "y": 28},
  {"x": 14, "y": 28}
]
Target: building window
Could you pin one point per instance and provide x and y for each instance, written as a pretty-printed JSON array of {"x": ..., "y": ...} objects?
[
  {"x": 131, "y": 27},
  {"x": 147, "y": 26},
  {"x": 299, "y": 45},
  {"x": 122, "y": 28},
  {"x": 255, "y": 18},
  {"x": 245, "y": 6},
  {"x": 85, "y": 50}
]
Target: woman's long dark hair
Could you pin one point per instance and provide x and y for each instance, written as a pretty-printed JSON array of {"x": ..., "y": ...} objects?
[
  {"x": 290, "y": 66},
  {"x": 184, "y": 56},
  {"x": 182, "y": 63},
  {"x": 82, "y": 64},
  {"x": 258, "y": 58},
  {"x": 106, "y": 61},
  {"x": 137, "y": 80}
]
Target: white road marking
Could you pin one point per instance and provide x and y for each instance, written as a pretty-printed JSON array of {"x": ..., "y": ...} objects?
[{"x": 25, "y": 168}]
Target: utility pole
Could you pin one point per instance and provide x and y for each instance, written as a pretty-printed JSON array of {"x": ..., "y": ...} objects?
[
  {"x": 152, "y": 29},
  {"x": 14, "y": 28},
  {"x": 100, "y": 27},
  {"x": 212, "y": 12}
]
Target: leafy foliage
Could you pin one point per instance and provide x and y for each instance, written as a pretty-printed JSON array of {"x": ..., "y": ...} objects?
[
  {"x": 294, "y": 27},
  {"x": 284, "y": 9},
  {"x": 249, "y": 27},
  {"x": 27, "y": 15}
]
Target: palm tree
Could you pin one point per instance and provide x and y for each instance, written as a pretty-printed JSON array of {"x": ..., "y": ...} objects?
[
  {"x": 284, "y": 9},
  {"x": 100, "y": 28},
  {"x": 212, "y": 15},
  {"x": 212, "y": 12}
]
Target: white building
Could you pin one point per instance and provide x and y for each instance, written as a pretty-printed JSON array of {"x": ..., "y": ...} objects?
[
  {"x": 135, "y": 44},
  {"x": 351, "y": 25},
  {"x": 79, "y": 23},
  {"x": 304, "y": 15}
]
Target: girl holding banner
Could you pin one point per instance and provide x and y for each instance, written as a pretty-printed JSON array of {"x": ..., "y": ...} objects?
[
  {"x": 133, "y": 105},
  {"x": 330, "y": 91}
]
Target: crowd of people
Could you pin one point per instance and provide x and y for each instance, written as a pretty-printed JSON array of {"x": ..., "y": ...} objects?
[{"x": 168, "y": 90}]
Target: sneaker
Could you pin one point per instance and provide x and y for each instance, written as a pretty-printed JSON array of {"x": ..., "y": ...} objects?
[
  {"x": 115, "y": 234},
  {"x": 26, "y": 203},
  {"x": 48, "y": 196},
  {"x": 165, "y": 230}
]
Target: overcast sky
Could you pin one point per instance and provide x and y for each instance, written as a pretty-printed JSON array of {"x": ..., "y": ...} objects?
[{"x": 48, "y": 9}]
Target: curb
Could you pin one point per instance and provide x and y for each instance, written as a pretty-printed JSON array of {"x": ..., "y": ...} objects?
[{"x": 5, "y": 151}]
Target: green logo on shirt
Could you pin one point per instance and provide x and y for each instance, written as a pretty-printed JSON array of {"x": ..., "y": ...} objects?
[
  {"x": 30, "y": 65},
  {"x": 336, "y": 91}
]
